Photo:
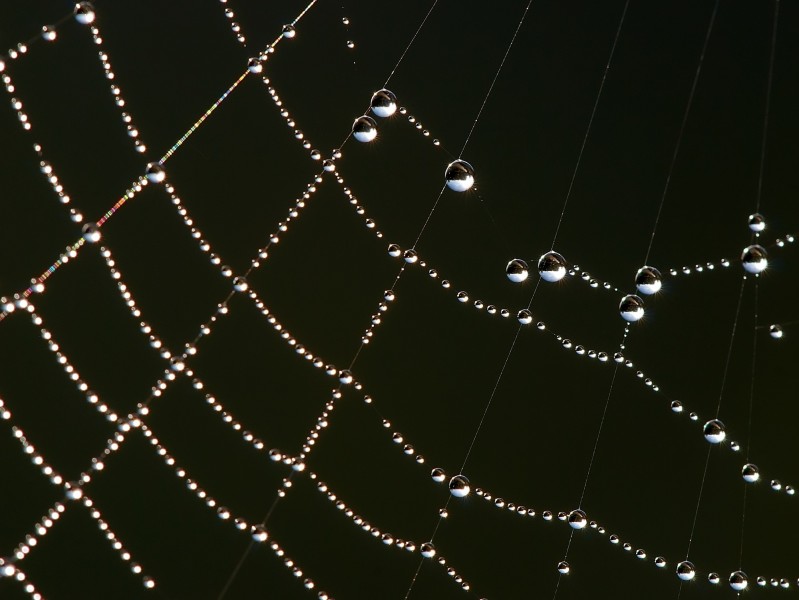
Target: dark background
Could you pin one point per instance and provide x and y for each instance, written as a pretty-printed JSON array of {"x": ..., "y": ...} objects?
[{"x": 433, "y": 362}]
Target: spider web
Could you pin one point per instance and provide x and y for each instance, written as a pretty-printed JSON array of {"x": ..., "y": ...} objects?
[{"x": 100, "y": 342}]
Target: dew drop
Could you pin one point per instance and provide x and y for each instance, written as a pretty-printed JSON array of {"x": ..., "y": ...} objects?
[
  {"x": 750, "y": 473},
  {"x": 516, "y": 270},
  {"x": 738, "y": 581},
  {"x": 364, "y": 129},
  {"x": 91, "y": 233},
  {"x": 686, "y": 570},
  {"x": 459, "y": 176},
  {"x": 577, "y": 519},
  {"x": 754, "y": 259},
  {"x": 427, "y": 549},
  {"x": 714, "y": 431},
  {"x": 459, "y": 486},
  {"x": 155, "y": 173},
  {"x": 756, "y": 222},
  {"x": 552, "y": 267},
  {"x": 648, "y": 280},
  {"x": 631, "y": 308},
  {"x": 383, "y": 103},
  {"x": 84, "y": 13}
]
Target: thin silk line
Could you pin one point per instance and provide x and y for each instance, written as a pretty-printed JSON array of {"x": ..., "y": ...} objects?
[
  {"x": 698, "y": 502},
  {"x": 768, "y": 103},
  {"x": 590, "y": 122},
  {"x": 429, "y": 216},
  {"x": 598, "y": 434},
  {"x": 749, "y": 424},
  {"x": 408, "y": 47},
  {"x": 496, "y": 75},
  {"x": 732, "y": 339},
  {"x": 682, "y": 128}
]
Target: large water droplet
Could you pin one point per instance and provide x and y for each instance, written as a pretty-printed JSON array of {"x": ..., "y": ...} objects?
[
  {"x": 255, "y": 66},
  {"x": 775, "y": 331},
  {"x": 438, "y": 475},
  {"x": 714, "y": 431},
  {"x": 459, "y": 486},
  {"x": 364, "y": 129},
  {"x": 563, "y": 567},
  {"x": 578, "y": 519},
  {"x": 155, "y": 173},
  {"x": 289, "y": 31},
  {"x": 259, "y": 533},
  {"x": 552, "y": 267},
  {"x": 384, "y": 103},
  {"x": 91, "y": 233},
  {"x": 648, "y": 280},
  {"x": 524, "y": 316},
  {"x": 754, "y": 259},
  {"x": 750, "y": 473},
  {"x": 516, "y": 270},
  {"x": 686, "y": 570},
  {"x": 738, "y": 581},
  {"x": 427, "y": 549},
  {"x": 84, "y": 13},
  {"x": 459, "y": 176},
  {"x": 631, "y": 308},
  {"x": 756, "y": 222}
]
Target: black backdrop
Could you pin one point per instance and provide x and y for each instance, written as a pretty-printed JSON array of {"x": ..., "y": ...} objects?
[{"x": 433, "y": 362}]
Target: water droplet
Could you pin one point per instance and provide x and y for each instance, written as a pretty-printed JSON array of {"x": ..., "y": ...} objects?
[
  {"x": 563, "y": 567},
  {"x": 738, "y": 581},
  {"x": 74, "y": 491},
  {"x": 676, "y": 406},
  {"x": 459, "y": 486},
  {"x": 524, "y": 316},
  {"x": 383, "y": 103},
  {"x": 648, "y": 280},
  {"x": 686, "y": 570},
  {"x": 577, "y": 519},
  {"x": 410, "y": 256},
  {"x": 552, "y": 267},
  {"x": 757, "y": 223},
  {"x": 775, "y": 331},
  {"x": 329, "y": 165},
  {"x": 516, "y": 270},
  {"x": 754, "y": 259},
  {"x": 364, "y": 129},
  {"x": 750, "y": 473},
  {"x": 427, "y": 549},
  {"x": 660, "y": 562},
  {"x": 459, "y": 176},
  {"x": 259, "y": 533},
  {"x": 394, "y": 250},
  {"x": 255, "y": 66},
  {"x": 48, "y": 33},
  {"x": 631, "y": 308},
  {"x": 84, "y": 13},
  {"x": 345, "y": 20},
  {"x": 240, "y": 284},
  {"x": 714, "y": 431},
  {"x": 155, "y": 173},
  {"x": 91, "y": 233},
  {"x": 438, "y": 475},
  {"x": 713, "y": 578},
  {"x": 350, "y": 44},
  {"x": 289, "y": 31}
]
